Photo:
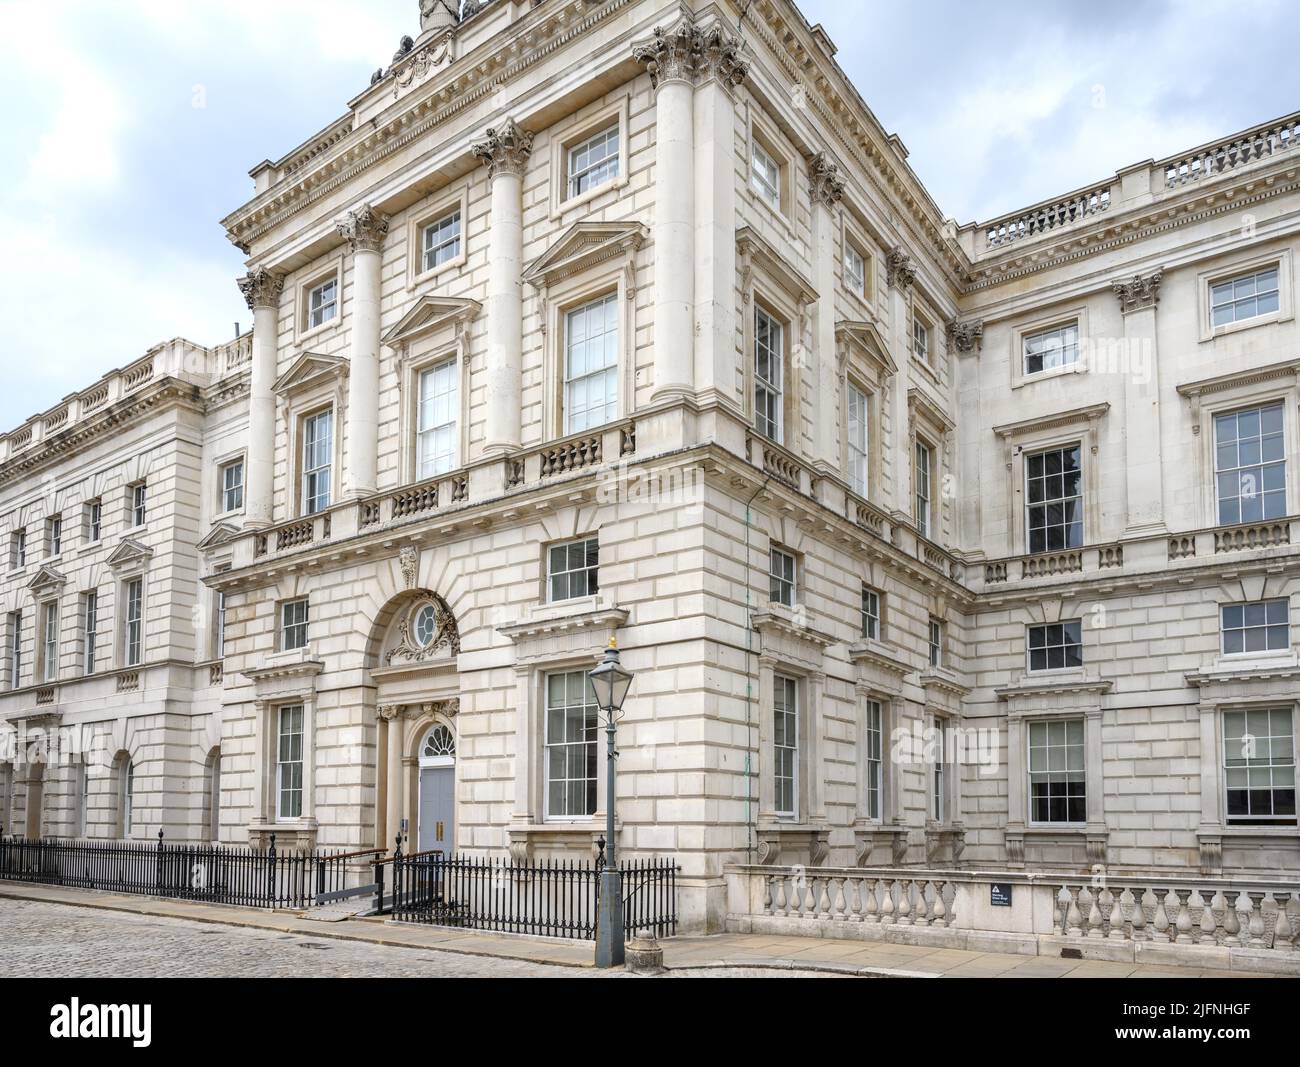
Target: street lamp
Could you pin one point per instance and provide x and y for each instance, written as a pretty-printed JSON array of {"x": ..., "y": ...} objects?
[{"x": 610, "y": 682}]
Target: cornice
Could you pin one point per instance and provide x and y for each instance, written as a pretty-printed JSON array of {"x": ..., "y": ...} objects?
[
  {"x": 1287, "y": 670},
  {"x": 1052, "y": 687},
  {"x": 1288, "y": 368},
  {"x": 777, "y": 623},
  {"x": 877, "y": 654},
  {"x": 1090, "y": 413},
  {"x": 598, "y": 619}
]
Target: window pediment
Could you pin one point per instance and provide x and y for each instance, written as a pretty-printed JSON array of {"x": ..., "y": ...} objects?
[
  {"x": 864, "y": 337},
  {"x": 431, "y": 313},
  {"x": 311, "y": 368},
  {"x": 754, "y": 252},
  {"x": 584, "y": 245},
  {"x": 221, "y": 533},
  {"x": 46, "y": 580},
  {"x": 920, "y": 406},
  {"x": 1074, "y": 417},
  {"x": 129, "y": 555}
]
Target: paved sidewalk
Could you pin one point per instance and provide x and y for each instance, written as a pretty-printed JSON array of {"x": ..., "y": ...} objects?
[{"x": 719, "y": 954}]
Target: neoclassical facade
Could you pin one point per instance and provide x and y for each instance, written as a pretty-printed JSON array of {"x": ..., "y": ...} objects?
[{"x": 929, "y": 545}]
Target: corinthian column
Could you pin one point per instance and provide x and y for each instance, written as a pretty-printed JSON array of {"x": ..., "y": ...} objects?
[
  {"x": 505, "y": 151},
  {"x": 261, "y": 289},
  {"x": 672, "y": 56},
  {"x": 364, "y": 229},
  {"x": 827, "y": 190},
  {"x": 1138, "y": 362}
]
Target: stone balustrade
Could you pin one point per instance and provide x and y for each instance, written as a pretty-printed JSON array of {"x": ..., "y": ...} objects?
[
  {"x": 904, "y": 898},
  {"x": 1047, "y": 217},
  {"x": 1219, "y": 157}
]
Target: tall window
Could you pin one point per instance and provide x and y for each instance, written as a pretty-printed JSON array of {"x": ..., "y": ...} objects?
[
  {"x": 133, "y": 638},
  {"x": 572, "y": 568},
  {"x": 924, "y": 461},
  {"x": 317, "y": 456},
  {"x": 875, "y": 762},
  {"x": 785, "y": 744},
  {"x": 54, "y": 536},
  {"x": 594, "y": 161},
  {"x": 781, "y": 574},
  {"x": 139, "y": 498},
  {"x": 571, "y": 726},
  {"x": 15, "y": 648},
  {"x": 1260, "y": 626},
  {"x": 442, "y": 240},
  {"x": 1057, "y": 793},
  {"x": 1244, "y": 298},
  {"x": 128, "y": 797},
  {"x": 1056, "y": 646},
  {"x": 1049, "y": 349},
  {"x": 769, "y": 374},
  {"x": 591, "y": 364},
  {"x": 232, "y": 486},
  {"x": 288, "y": 763},
  {"x": 50, "y": 641},
  {"x": 936, "y": 642},
  {"x": 220, "y": 644},
  {"x": 1054, "y": 499},
  {"x": 1259, "y": 766},
  {"x": 765, "y": 176},
  {"x": 18, "y": 549},
  {"x": 939, "y": 791},
  {"x": 870, "y": 613},
  {"x": 855, "y": 271},
  {"x": 82, "y": 793},
  {"x": 94, "y": 520},
  {"x": 920, "y": 339},
  {"x": 90, "y": 630},
  {"x": 1250, "y": 465},
  {"x": 293, "y": 624},
  {"x": 857, "y": 440},
  {"x": 322, "y": 303},
  {"x": 437, "y": 419}
]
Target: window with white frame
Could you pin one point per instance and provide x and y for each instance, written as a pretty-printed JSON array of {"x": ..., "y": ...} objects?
[
  {"x": 936, "y": 642},
  {"x": 219, "y": 644},
  {"x": 90, "y": 630},
  {"x": 785, "y": 745},
  {"x": 939, "y": 782},
  {"x": 293, "y": 624},
  {"x": 1260, "y": 626},
  {"x": 82, "y": 793},
  {"x": 1054, "y": 499},
  {"x": 781, "y": 574},
  {"x": 857, "y": 445},
  {"x": 1250, "y": 465},
  {"x": 49, "y": 641},
  {"x": 54, "y": 535},
  {"x": 1244, "y": 297},
  {"x": 570, "y": 762},
  {"x": 232, "y": 485},
  {"x": 591, "y": 364},
  {"x": 769, "y": 374},
  {"x": 765, "y": 175},
  {"x": 139, "y": 503},
  {"x": 870, "y": 613},
  {"x": 593, "y": 162},
  {"x": 1057, "y": 789},
  {"x": 855, "y": 271},
  {"x": 127, "y": 798},
  {"x": 439, "y": 403},
  {"x": 288, "y": 762},
  {"x": 920, "y": 339},
  {"x": 1259, "y": 767},
  {"x": 15, "y": 636},
  {"x": 94, "y": 518},
  {"x": 924, "y": 465},
  {"x": 133, "y": 622},
  {"x": 572, "y": 569},
  {"x": 875, "y": 765},
  {"x": 317, "y": 460},
  {"x": 322, "y": 303},
  {"x": 441, "y": 241},
  {"x": 18, "y": 549},
  {"x": 1056, "y": 646},
  {"x": 1051, "y": 348}
]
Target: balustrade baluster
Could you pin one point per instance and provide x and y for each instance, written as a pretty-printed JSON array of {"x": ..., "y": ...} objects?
[
  {"x": 872, "y": 914},
  {"x": 1241, "y": 906},
  {"x": 940, "y": 909},
  {"x": 825, "y": 905},
  {"x": 1257, "y": 920},
  {"x": 887, "y": 900},
  {"x": 853, "y": 891},
  {"x": 921, "y": 918},
  {"x": 780, "y": 895},
  {"x": 1139, "y": 915},
  {"x": 905, "y": 902},
  {"x": 1183, "y": 921},
  {"x": 1205, "y": 916},
  {"x": 769, "y": 893},
  {"x": 1074, "y": 915},
  {"x": 1094, "y": 911}
]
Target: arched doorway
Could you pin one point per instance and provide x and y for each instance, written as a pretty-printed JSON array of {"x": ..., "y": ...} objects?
[{"x": 436, "y": 818}]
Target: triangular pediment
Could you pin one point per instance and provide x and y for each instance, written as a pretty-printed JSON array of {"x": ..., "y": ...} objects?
[
  {"x": 47, "y": 578},
  {"x": 583, "y": 245},
  {"x": 869, "y": 340},
  {"x": 130, "y": 553},
  {"x": 220, "y": 534},
  {"x": 430, "y": 313},
  {"x": 309, "y": 368}
]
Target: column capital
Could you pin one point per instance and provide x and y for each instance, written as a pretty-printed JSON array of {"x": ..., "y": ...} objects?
[
  {"x": 505, "y": 149},
  {"x": 685, "y": 52},
  {"x": 900, "y": 271},
  {"x": 1139, "y": 291},
  {"x": 261, "y": 288},
  {"x": 824, "y": 178},
  {"x": 967, "y": 335},
  {"x": 363, "y": 228}
]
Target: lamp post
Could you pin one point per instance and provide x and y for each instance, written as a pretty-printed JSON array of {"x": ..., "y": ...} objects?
[{"x": 610, "y": 683}]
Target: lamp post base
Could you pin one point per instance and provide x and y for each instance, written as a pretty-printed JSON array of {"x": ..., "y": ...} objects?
[{"x": 609, "y": 920}]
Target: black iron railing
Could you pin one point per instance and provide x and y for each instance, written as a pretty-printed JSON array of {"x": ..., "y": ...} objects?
[
  {"x": 551, "y": 898},
  {"x": 259, "y": 878}
]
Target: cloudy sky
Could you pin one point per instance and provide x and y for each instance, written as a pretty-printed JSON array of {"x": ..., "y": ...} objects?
[{"x": 132, "y": 125}]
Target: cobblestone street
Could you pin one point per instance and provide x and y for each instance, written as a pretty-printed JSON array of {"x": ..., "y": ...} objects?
[{"x": 58, "y": 941}]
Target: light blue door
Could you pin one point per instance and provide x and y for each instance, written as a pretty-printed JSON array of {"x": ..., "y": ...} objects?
[{"x": 437, "y": 809}]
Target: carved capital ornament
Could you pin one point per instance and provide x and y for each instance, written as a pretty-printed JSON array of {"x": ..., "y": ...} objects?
[
  {"x": 686, "y": 53},
  {"x": 1138, "y": 292},
  {"x": 965, "y": 336},
  {"x": 505, "y": 149},
  {"x": 900, "y": 271},
  {"x": 261, "y": 288},
  {"x": 363, "y": 228},
  {"x": 824, "y": 176}
]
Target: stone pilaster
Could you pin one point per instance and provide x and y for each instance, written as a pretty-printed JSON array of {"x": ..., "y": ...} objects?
[
  {"x": 506, "y": 150},
  {"x": 364, "y": 229},
  {"x": 1137, "y": 359},
  {"x": 262, "y": 289},
  {"x": 827, "y": 189}
]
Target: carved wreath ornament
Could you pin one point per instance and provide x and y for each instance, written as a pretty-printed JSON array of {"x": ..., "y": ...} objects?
[{"x": 426, "y": 630}]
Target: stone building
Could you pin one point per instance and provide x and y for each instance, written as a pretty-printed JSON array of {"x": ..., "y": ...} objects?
[{"x": 930, "y": 545}]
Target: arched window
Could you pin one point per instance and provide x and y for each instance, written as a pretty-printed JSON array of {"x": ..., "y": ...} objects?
[
  {"x": 214, "y": 795},
  {"x": 124, "y": 768},
  {"x": 438, "y": 742}
]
